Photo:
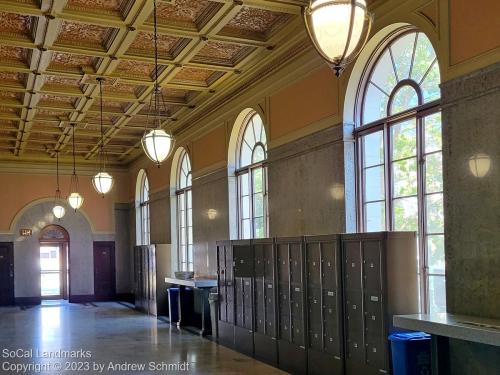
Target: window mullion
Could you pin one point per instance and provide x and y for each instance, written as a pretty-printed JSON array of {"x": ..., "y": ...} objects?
[
  {"x": 389, "y": 220},
  {"x": 252, "y": 214}
]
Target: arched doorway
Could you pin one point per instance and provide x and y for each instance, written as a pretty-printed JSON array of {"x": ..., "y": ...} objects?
[{"x": 54, "y": 262}]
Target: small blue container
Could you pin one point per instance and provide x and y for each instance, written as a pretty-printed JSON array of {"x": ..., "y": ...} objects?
[{"x": 411, "y": 353}]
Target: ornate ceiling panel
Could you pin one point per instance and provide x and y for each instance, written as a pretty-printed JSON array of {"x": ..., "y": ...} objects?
[{"x": 52, "y": 52}]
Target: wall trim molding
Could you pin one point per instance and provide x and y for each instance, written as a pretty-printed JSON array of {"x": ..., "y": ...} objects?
[
  {"x": 83, "y": 298},
  {"x": 28, "y": 301}
]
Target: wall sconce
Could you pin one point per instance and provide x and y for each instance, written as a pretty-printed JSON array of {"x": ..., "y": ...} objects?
[
  {"x": 479, "y": 165},
  {"x": 212, "y": 214},
  {"x": 337, "y": 192}
]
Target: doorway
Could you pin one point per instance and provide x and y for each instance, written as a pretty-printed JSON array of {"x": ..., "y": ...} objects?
[
  {"x": 104, "y": 271},
  {"x": 6, "y": 274},
  {"x": 54, "y": 263}
]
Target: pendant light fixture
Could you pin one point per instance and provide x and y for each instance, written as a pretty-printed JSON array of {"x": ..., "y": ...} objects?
[
  {"x": 338, "y": 29},
  {"x": 156, "y": 142},
  {"x": 102, "y": 181},
  {"x": 58, "y": 210},
  {"x": 75, "y": 200}
]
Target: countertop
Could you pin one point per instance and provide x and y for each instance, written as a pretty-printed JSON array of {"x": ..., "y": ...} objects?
[
  {"x": 193, "y": 283},
  {"x": 468, "y": 328}
]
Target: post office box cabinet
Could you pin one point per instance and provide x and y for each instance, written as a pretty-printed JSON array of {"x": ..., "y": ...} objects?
[
  {"x": 314, "y": 304},
  {"x": 315, "y": 334},
  {"x": 296, "y": 262},
  {"x": 283, "y": 264},
  {"x": 352, "y": 267},
  {"x": 373, "y": 310},
  {"x": 354, "y": 312},
  {"x": 333, "y": 337}
]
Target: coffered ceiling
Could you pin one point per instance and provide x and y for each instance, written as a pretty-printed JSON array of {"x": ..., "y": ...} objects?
[{"x": 52, "y": 51}]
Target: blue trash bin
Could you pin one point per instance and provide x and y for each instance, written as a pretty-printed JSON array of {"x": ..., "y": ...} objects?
[
  {"x": 411, "y": 353},
  {"x": 173, "y": 304}
]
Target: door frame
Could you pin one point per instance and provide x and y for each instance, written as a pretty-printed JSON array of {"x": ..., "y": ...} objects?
[
  {"x": 12, "y": 298},
  {"x": 113, "y": 267},
  {"x": 63, "y": 243}
]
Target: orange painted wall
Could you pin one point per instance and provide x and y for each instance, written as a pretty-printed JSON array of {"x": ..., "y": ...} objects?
[
  {"x": 210, "y": 149},
  {"x": 18, "y": 190},
  {"x": 303, "y": 103},
  {"x": 474, "y": 28},
  {"x": 158, "y": 178}
]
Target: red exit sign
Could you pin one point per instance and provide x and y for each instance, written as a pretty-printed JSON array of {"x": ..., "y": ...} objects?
[{"x": 26, "y": 232}]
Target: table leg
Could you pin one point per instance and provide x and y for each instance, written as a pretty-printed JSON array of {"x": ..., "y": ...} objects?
[
  {"x": 179, "y": 304},
  {"x": 440, "y": 355}
]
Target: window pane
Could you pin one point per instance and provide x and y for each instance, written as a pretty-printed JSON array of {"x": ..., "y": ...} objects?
[
  {"x": 404, "y": 139},
  {"x": 257, "y": 180},
  {"x": 245, "y": 228},
  {"x": 430, "y": 85},
  {"x": 434, "y": 211},
  {"x": 373, "y": 149},
  {"x": 246, "y": 155},
  {"x": 244, "y": 184},
  {"x": 433, "y": 136},
  {"x": 249, "y": 136},
  {"x": 405, "y": 98},
  {"x": 181, "y": 201},
  {"x": 189, "y": 231},
  {"x": 259, "y": 227},
  {"x": 375, "y": 106},
  {"x": 437, "y": 294},
  {"x": 405, "y": 214},
  {"x": 190, "y": 217},
  {"x": 424, "y": 56},
  {"x": 190, "y": 254},
  {"x": 435, "y": 251},
  {"x": 434, "y": 173},
  {"x": 245, "y": 207},
  {"x": 383, "y": 75},
  {"x": 405, "y": 177},
  {"x": 183, "y": 254},
  {"x": 258, "y": 154},
  {"x": 374, "y": 184},
  {"x": 402, "y": 53},
  {"x": 258, "y": 205},
  {"x": 189, "y": 203},
  {"x": 375, "y": 216}
]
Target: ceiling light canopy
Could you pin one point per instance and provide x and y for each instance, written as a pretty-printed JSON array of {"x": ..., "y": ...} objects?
[
  {"x": 338, "y": 29},
  {"x": 102, "y": 181},
  {"x": 156, "y": 142}
]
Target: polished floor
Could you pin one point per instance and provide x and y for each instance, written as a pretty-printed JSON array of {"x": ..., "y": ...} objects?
[{"x": 108, "y": 338}]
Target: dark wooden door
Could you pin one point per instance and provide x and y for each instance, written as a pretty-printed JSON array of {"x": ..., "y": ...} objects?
[
  {"x": 104, "y": 271},
  {"x": 6, "y": 274}
]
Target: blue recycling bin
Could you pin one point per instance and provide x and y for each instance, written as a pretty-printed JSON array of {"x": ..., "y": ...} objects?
[
  {"x": 411, "y": 353},
  {"x": 173, "y": 304}
]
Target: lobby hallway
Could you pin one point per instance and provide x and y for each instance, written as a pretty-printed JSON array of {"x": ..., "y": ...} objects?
[{"x": 112, "y": 333}]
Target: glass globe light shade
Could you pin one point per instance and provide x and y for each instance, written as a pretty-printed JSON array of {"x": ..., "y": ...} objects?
[
  {"x": 157, "y": 145},
  {"x": 58, "y": 211},
  {"x": 103, "y": 182},
  {"x": 75, "y": 200},
  {"x": 480, "y": 165},
  {"x": 338, "y": 29}
]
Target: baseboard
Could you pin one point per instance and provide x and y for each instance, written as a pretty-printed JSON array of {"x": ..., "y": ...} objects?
[
  {"x": 85, "y": 298},
  {"x": 125, "y": 297},
  {"x": 28, "y": 301}
]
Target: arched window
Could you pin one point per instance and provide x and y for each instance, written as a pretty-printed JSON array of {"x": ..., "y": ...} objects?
[
  {"x": 184, "y": 213},
  {"x": 399, "y": 152},
  {"x": 251, "y": 174},
  {"x": 142, "y": 209}
]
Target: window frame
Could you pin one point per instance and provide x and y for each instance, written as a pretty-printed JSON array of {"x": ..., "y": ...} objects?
[
  {"x": 419, "y": 113},
  {"x": 144, "y": 209},
  {"x": 184, "y": 192},
  {"x": 249, "y": 170}
]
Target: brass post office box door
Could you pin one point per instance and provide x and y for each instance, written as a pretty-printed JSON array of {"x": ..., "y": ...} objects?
[
  {"x": 313, "y": 264},
  {"x": 371, "y": 265},
  {"x": 374, "y": 324},
  {"x": 296, "y": 263},
  {"x": 269, "y": 261},
  {"x": 298, "y": 331},
  {"x": 284, "y": 329},
  {"x": 283, "y": 264},
  {"x": 355, "y": 348},
  {"x": 259, "y": 261},
  {"x": 329, "y": 265},
  {"x": 352, "y": 265},
  {"x": 248, "y": 303},
  {"x": 270, "y": 310},
  {"x": 354, "y": 312},
  {"x": 376, "y": 352},
  {"x": 260, "y": 306}
]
